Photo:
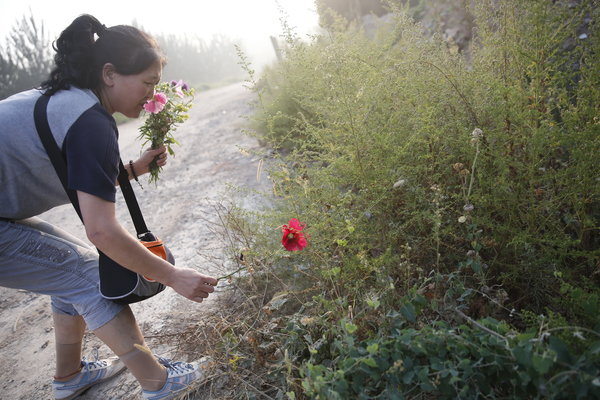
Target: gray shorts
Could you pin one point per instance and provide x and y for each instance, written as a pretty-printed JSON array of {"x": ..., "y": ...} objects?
[{"x": 41, "y": 258}]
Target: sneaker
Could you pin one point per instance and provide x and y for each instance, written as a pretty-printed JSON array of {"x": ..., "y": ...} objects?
[
  {"x": 179, "y": 377},
  {"x": 91, "y": 373}
]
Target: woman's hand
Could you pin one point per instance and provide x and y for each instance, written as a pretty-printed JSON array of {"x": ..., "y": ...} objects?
[
  {"x": 192, "y": 284},
  {"x": 142, "y": 164}
]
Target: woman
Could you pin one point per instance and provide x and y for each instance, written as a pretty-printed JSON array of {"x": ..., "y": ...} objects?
[{"x": 92, "y": 79}]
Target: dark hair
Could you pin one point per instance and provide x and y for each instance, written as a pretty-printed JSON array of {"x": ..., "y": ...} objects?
[{"x": 80, "y": 58}]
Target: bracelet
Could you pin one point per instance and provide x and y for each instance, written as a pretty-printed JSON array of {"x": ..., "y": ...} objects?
[{"x": 133, "y": 173}]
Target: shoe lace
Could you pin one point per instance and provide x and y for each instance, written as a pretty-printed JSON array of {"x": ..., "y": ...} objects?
[
  {"x": 176, "y": 366},
  {"x": 92, "y": 365}
]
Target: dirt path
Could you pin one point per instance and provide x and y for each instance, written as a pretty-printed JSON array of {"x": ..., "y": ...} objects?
[{"x": 178, "y": 210}]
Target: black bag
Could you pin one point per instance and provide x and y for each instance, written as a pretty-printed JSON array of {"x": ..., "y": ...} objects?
[
  {"x": 124, "y": 286},
  {"x": 117, "y": 283}
]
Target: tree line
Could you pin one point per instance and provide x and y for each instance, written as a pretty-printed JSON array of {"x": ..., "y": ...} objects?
[{"x": 26, "y": 58}]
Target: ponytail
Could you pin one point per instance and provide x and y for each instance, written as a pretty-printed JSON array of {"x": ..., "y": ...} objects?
[{"x": 80, "y": 57}]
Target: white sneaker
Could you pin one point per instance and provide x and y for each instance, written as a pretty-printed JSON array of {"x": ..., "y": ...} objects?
[
  {"x": 91, "y": 373},
  {"x": 179, "y": 377}
]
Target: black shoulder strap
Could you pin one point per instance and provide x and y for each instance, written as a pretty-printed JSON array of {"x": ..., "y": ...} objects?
[
  {"x": 55, "y": 155},
  {"x": 131, "y": 200},
  {"x": 43, "y": 129}
]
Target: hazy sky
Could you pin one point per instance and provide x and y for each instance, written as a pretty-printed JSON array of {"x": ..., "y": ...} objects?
[{"x": 250, "y": 20}]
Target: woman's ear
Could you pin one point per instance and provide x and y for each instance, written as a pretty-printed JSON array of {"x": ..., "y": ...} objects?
[{"x": 108, "y": 74}]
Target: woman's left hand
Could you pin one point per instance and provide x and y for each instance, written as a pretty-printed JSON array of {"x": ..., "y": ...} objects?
[{"x": 142, "y": 164}]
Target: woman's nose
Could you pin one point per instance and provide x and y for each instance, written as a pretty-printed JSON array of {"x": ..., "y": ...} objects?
[{"x": 150, "y": 94}]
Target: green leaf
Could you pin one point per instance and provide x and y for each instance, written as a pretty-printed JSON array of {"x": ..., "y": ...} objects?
[
  {"x": 522, "y": 356},
  {"x": 373, "y": 348},
  {"x": 420, "y": 300},
  {"x": 350, "y": 327},
  {"x": 374, "y": 303},
  {"x": 542, "y": 362},
  {"x": 370, "y": 362},
  {"x": 409, "y": 312},
  {"x": 595, "y": 348},
  {"x": 561, "y": 349},
  {"x": 408, "y": 376}
]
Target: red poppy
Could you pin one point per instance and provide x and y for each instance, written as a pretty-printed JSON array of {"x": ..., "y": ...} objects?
[{"x": 293, "y": 239}]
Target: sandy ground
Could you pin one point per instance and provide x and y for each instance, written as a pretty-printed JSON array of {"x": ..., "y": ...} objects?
[{"x": 181, "y": 210}]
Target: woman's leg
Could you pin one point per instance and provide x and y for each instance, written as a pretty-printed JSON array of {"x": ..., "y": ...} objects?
[
  {"x": 68, "y": 334},
  {"x": 41, "y": 258},
  {"x": 122, "y": 334}
]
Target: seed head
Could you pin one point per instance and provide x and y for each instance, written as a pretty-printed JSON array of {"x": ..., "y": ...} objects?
[{"x": 477, "y": 133}]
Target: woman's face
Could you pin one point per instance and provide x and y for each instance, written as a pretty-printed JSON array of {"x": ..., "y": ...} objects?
[{"x": 127, "y": 94}]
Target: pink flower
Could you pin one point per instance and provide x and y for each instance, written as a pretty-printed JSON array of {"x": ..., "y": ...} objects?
[
  {"x": 156, "y": 104},
  {"x": 293, "y": 239},
  {"x": 179, "y": 87}
]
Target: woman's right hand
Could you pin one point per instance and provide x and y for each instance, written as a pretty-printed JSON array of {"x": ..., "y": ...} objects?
[
  {"x": 142, "y": 164},
  {"x": 192, "y": 285}
]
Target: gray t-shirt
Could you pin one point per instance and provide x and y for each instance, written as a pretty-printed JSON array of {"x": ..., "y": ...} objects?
[{"x": 87, "y": 136}]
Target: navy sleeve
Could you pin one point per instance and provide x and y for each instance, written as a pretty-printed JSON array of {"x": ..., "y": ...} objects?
[{"x": 91, "y": 151}]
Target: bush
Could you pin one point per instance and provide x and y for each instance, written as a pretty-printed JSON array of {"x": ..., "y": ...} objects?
[
  {"x": 398, "y": 146},
  {"x": 438, "y": 187},
  {"x": 487, "y": 360}
]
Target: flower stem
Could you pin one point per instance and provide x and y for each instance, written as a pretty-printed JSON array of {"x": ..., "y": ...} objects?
[
  {"x": 231, "y": 274},
  {"x": 473, "y": 171}
]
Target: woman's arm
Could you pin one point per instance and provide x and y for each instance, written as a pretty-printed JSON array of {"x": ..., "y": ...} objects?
[{"x": 105, "y": 232}]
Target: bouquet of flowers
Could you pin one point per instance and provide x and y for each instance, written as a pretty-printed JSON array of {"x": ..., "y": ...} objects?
[{"x": 168, "y": 108}]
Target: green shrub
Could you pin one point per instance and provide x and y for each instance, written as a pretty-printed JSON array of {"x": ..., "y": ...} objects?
[
  {"x": 436, "y": 188},
  {"x": 380, "y": 154},
  {"x": 486, "y": 360}
]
